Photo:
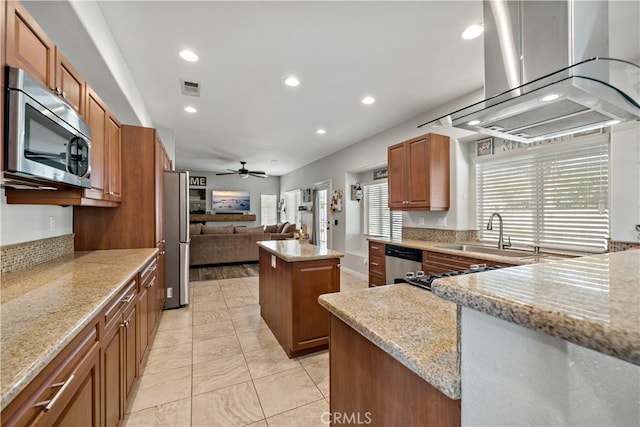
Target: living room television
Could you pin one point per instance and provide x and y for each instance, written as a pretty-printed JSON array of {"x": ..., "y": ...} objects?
[{"x": 230, "y": 201}]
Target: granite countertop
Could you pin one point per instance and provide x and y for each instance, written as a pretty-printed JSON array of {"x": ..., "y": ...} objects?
[
  {"x": 294, "y": 250},
  {"x": 412, "y": 325},
  {"x": 44, "y": 307},
  {"x": 592, "y": 301},
  {"x": 438, "y": 247}
]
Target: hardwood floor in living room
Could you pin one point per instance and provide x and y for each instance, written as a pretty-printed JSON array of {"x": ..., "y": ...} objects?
[{"x": 216, "y": 363}]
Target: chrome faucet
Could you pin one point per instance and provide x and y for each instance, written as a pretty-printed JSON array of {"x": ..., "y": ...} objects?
[{"x": 501, "y": 243}]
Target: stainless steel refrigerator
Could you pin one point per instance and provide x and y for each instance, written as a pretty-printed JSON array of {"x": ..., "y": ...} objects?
[{"x": 176, "y": 226}]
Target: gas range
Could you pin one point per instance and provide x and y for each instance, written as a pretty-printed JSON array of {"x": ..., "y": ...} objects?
[{"x": 424, "y": 282}]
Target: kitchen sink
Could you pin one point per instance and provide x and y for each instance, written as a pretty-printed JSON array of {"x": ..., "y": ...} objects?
[{"x": 492, "y": 251}]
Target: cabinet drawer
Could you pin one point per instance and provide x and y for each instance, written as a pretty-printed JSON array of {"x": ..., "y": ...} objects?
[
  {"x": 149, "y": 273},
  {"x": 49, "y": 397},
  {"x": 120, "y": 303},
  {"x": 434, "y": 262},
  {"x": 376, "y": 279},
  {"x": 376, "y": 248},
  {"x": 376, "y": 264}
]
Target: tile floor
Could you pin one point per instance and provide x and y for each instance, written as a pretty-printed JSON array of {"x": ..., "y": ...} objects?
[{"x": 216, "y": 363}]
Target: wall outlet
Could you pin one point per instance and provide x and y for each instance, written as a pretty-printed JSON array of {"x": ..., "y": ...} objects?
[
  {"x": 442, "y": 221},
  {"x": 169, "y": 292},
  {"x": 52, "y": 223}
]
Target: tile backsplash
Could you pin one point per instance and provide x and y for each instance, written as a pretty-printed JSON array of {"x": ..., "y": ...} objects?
[
  {"x": 19, "y": 256},
  {"x": 439, "y": 235},
  {"x": 617, "y": 246}
]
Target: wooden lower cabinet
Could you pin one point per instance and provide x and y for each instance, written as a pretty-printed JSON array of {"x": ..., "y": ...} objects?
[
  {"x": 369, "y": 387},
  {"x": 436, "y": 262},
  {"x": 289, "y": 301},
  {"x": 113, "y": 383},
  {"x": 90, "y": 383},
  {"x": 67, "y": 392},
  {"x": 377, "y": 271}
]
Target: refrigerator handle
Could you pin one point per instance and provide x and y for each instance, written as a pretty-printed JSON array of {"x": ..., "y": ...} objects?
[
  {"x": 183, "y": 204},
  {"x": 184, "y": 273}
]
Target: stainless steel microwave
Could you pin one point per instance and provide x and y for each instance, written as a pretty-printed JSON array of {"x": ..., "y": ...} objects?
[{"x": 45, "y": 139}]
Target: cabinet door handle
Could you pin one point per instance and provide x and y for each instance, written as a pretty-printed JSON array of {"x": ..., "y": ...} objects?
[
  {"x": 48, "y": 404},
  {"x": 128, "y": 299},
  {"x": 375, "y": 264},
  {"x": 375, "y": 247},
  {"x": 338, "y": 265},
  {"x": 126, "y": 323}
]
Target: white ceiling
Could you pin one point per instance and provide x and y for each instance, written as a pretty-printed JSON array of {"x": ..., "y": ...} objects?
[{"x": 408, "y": 55}]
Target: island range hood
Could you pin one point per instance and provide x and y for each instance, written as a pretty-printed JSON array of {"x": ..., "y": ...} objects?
[{"x": 548, "y": 74}]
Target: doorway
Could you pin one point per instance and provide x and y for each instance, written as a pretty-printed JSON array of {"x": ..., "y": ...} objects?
[{"x": 321, "y": 234}]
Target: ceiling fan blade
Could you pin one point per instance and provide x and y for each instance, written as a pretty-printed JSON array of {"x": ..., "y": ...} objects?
[
  {"x": 227, "y": 173},
  {"x": 258, "y": 172},
  {"x": 258, "y": 176}
]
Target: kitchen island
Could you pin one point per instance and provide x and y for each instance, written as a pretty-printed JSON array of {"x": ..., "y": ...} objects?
[
  {"x": 54, "y": 325},
  {"x": 551, "y": 344},
  {"x": 292, "y": 277},
  {"x": 394, "y": 356}
]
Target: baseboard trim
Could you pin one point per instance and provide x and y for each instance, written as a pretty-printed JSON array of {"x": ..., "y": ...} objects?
[{"x": 354, "y": 273}]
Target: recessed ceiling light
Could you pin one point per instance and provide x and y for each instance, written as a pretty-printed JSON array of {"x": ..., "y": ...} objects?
[
  {"x": 368, "y": 100},
  {"x": 550, "y": 97},
  {"x": 188, "y": 55},
  {"x": 321, "y": 131},
  {"x": 472, "y": 31},
  {"x": 292, "y": 81},
  {"x": 612, "y": 122},
  {"x": 474, "y": 122},
  {"x": 190, "y": 110}
]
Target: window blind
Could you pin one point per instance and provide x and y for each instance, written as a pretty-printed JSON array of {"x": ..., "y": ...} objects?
[
  {"x": 380, "y": 221},
  {"x": 268, "y": 209},
  {"x": 555, "y": 198}
]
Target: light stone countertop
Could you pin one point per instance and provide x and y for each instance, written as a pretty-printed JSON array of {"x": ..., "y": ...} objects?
[
  {"x": 412, "y": 325},
  {"x": 44, "y": 307},
  {"x": 592, "y": 301},
  {"x": 427, "y": 245},
  {"x": 294, "y": 250}
]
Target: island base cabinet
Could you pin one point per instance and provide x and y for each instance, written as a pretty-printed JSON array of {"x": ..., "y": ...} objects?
[
  {"x": 367, "y": 386},
  {"x": 289, "y": 305}
]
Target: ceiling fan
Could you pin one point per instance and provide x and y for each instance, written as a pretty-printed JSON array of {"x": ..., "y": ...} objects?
[{"x": 243, "y": 172}]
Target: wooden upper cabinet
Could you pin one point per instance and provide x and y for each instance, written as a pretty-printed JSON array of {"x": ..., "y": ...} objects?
[
  {"x": 419, "y": 174},
  {"x": 28, "y": 46},
  {"x": 96, "y": 116},
  {"x": 114, "y": 156},
  {"x": 70, "y": 85}
]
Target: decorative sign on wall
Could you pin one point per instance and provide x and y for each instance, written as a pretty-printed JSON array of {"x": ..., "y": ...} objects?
[
  {"x": 336, "y": 201},
  {"x": 380, "y": 174},
  {"x": 484, "y": 147},
  {"x": 198, "y": 181}
]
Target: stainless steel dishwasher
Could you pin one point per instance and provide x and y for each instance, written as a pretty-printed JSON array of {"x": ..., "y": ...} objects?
[{"x": 400, "y": 260}]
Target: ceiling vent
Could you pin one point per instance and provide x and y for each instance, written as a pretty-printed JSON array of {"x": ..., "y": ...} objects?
[{"x": 190, "y": 88}]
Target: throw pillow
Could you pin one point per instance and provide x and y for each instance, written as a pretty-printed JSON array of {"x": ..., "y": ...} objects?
[
  {"x": 289, "y": 228},
  {"x": 280, "y": 226},
  {"x": 224, "y": 229},
  {"x": 271, "y": 228},
  {"x": 249, "y": 230},
  {"x": 195, "y": 229}
]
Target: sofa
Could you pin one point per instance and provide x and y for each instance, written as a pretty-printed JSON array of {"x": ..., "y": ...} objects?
[{"x": 229, "y": 244}]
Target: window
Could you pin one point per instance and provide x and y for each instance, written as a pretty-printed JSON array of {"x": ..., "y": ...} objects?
[
  {"x": 268, "y": 209},
  {"x": 379, "y": 220},
  {"x": 292, "y": 200},
  {"x": 554, "y": 196}
]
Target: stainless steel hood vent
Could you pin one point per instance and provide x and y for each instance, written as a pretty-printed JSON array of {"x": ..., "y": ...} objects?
[{"x": 576, "y": 86}]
